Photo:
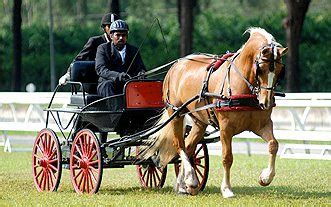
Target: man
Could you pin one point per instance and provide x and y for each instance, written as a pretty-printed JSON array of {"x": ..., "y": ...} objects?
[
  {"x": 90, "y": 48},
  {"x": 117, "y": 61}
]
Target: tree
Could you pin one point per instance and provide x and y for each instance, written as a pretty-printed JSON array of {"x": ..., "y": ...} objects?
[
  {"x": 293, "y": 25},
  {"x": 114, "y": 7},
  {"x": 17, "y": 45},
  {"x": 185, "y": 10}
]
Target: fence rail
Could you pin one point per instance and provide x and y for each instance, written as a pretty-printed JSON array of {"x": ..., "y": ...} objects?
[{"x": 302, "y": 117}]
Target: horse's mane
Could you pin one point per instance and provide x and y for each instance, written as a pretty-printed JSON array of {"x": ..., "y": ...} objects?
[{"x": 261, "y": 31}]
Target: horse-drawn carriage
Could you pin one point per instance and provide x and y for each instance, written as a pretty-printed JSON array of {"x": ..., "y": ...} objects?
[
  {"x": 86, "y": 150},
  {"x": 233, "y": 97}
]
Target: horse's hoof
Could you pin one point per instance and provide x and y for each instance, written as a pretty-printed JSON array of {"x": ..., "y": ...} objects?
[
  {"x": 263, "y": 184},
  {"x": 192, "y": 191},
  {"x": 227, "y": 193}
]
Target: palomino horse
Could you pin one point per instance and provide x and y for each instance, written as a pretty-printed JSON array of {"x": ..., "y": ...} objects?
[{"x": 254, "y": 69}]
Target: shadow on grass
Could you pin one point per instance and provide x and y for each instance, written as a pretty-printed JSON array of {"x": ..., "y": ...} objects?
[
  {"x": 133, "y": 190},
  {"x": 241, "y": 191},
  {"x": 277, "y": 191}
]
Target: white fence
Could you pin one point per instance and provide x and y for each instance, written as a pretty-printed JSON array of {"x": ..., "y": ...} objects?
[{"x": 304, "y": 117}]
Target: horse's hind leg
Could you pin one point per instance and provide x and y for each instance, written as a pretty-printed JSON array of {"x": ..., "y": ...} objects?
[
  {"x": 187, "y": 181},
  {"x": 268, "y": 174},
  {"x": 196, "y": 134}
]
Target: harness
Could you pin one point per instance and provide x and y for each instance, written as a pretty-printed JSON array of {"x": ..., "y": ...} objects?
[{"x": 242, "y": 102}]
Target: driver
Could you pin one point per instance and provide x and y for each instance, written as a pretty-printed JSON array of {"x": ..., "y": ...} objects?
[{"x": 117, "y": 61}]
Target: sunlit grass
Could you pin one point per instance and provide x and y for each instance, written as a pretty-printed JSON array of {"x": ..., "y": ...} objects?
[{"x": 297, "y": 183}]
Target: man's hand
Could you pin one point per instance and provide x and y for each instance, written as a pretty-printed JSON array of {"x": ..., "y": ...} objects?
[
  {"x": 124, "y": 77},
  {"x": 63, "y": 80}
]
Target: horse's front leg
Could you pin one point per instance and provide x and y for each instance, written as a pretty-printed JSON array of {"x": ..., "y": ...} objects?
[
  {"x": 227, "y": 159},
  {"x": 268, "y": 174}
]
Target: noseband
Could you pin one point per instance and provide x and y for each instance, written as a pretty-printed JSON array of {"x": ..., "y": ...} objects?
[{"x": 272, "y": 65}]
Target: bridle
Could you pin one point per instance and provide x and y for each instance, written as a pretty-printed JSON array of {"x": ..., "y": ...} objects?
[{"x": 272, "y": 65}]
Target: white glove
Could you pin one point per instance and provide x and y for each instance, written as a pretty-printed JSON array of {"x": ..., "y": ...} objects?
[{"x": 63, "y": 80}]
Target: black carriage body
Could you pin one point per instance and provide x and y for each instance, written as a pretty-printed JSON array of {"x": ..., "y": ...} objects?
[{"x": 133, "y": 111}]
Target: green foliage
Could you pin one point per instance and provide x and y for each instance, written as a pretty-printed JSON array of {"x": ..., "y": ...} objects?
[{"x": 219, "y": 26}]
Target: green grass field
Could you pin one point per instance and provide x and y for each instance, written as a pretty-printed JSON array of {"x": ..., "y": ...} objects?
[{"x": 297, "y": 183}]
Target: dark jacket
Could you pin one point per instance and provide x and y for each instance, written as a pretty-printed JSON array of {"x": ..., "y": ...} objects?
[
  {"x": 89, "y": 50},
  {"x": 108, "y": 62}
]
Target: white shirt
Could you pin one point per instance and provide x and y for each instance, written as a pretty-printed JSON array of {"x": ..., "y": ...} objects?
[{"x": 122, "y": 53}]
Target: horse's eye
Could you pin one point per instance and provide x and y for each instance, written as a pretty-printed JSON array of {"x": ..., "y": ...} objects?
[{"x": 265, "y": 51}]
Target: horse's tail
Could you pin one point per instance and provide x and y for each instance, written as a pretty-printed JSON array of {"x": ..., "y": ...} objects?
[{"x": 160, "y": 144}]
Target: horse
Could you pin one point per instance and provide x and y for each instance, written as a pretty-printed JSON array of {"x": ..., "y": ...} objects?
[{"x": 254, "y": 69}]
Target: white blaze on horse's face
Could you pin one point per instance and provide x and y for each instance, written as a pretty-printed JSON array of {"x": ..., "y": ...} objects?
[{"x": 267, "y": 77}]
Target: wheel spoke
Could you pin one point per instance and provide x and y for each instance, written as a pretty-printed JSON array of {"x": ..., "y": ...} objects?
[
  {"x": 92, "y": 179},
  {"x": 144, "y": 174},
  {"x": 36, "y": 156},
  {"x": 93, "y": 176},
  {"x": 154, "y": 178},
  {"x": 88, "y": 146},
  {"x": 81, "y": 146},
  {"x": 90, "y": 157},
  {"x": 200, "y": 165},
  {"x": 88, "y": 182},
  {"x": 200, "y": 158},
  {"x": 39, "y": 148},
  {"x": 53, "y": 168},
  {"x": 80, "y": 172},
  {"x": 51, "y": 178},
  {"x": 40, "y": 172},
  {"x": 78, "y": 150},
  {"x": 197, "y": 170},
  {"x": 51, "y": 149},
  {"x": 81, "y": 180},
  {"x": 77, "y": 158},
  {"x": 53, "y": 174},
  {"x": 157, "y": 175},
  {"x": 197, "y": 151},
  {"x": 44, "y": 181},
  {"x": 84, "y": 181},
  {"x": 52, "y": 161},
  {"x": 94, "y": 162}
]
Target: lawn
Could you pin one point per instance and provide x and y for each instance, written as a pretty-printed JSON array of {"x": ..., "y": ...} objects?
[{"x": 297, "y": 183}]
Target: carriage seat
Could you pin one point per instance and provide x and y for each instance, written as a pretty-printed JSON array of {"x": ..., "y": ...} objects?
[{"x": 84, "y": 72}]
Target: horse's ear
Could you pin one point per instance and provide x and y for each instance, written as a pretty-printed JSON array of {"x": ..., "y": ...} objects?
[{"x": 283, "y": 51}]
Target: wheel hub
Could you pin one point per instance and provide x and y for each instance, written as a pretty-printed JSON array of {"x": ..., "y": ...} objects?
[
  {"x": 43, "y": 162},
  {"x": 83, "y": 163}
]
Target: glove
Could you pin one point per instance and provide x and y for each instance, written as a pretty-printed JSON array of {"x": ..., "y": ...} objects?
[
  {"x": 63, "y": 80},
  {"x": 124, "y": 77}
]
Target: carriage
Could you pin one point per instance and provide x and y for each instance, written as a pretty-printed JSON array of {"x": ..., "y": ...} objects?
[
  {"x": 86, "y": 151},
  {"x": 233, "y": 97}
]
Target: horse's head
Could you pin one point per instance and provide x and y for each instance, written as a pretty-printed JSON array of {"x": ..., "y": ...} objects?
[{"x": 268, "y": 68}]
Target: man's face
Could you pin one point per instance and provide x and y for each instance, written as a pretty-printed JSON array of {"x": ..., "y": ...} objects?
[{"x": 119, "y": 39}]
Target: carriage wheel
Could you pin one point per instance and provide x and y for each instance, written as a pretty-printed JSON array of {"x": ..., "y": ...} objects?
[
  {"x": 86, "y": 162},
  {"x": 151, "y": 176},
  {"x": 46, "y": 161},
  {"x": 200, "y": 165}
]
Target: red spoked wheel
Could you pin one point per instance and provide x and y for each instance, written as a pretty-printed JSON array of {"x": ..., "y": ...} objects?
[
  {"x": 46, "y": 161},
  {"x": 151, "y": 176},
  {"x": 86, "y": 162},
  {"x": 200, "y": 165}
]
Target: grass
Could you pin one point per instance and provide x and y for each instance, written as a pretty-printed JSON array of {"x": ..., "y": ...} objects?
[{"x": 297, "y": 183}]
